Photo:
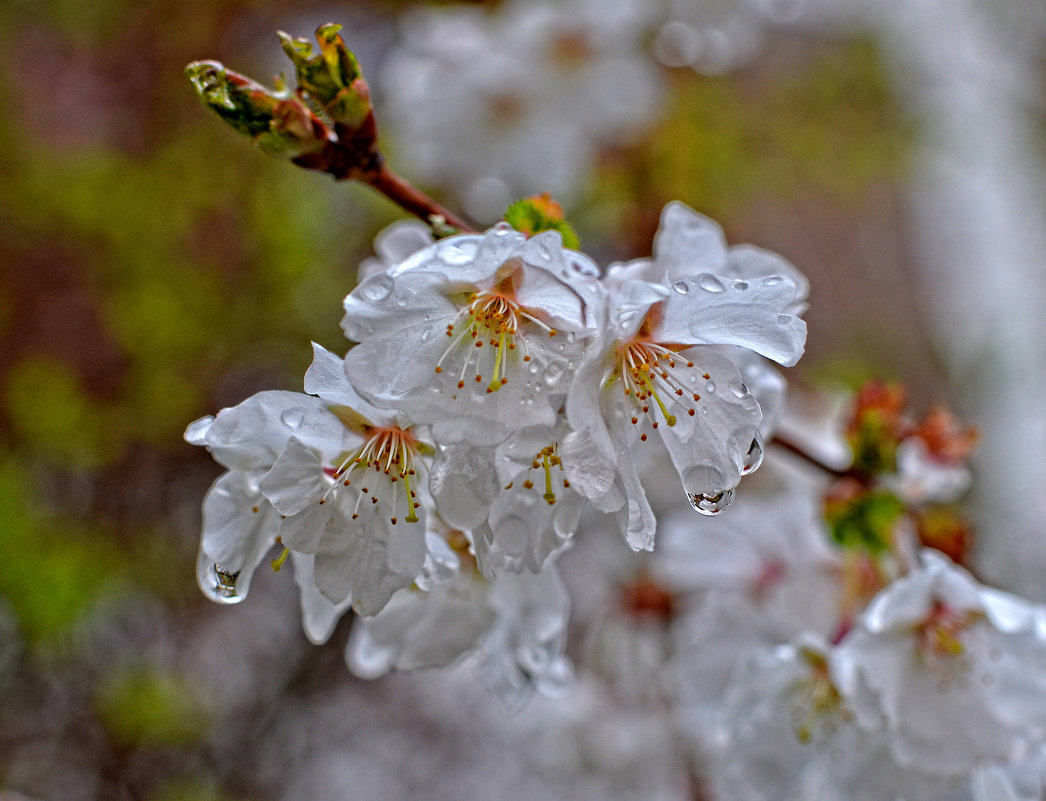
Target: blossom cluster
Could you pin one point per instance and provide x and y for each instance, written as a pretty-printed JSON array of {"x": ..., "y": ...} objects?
[
  {"x": 498, "y": 383},
  {"x": 503, "y": 394}
]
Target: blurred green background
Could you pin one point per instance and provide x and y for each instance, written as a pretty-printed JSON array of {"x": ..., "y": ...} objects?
[{"x": 154, "y": 268}]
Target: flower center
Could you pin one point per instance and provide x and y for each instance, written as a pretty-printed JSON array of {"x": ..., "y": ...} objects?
[
  {"x": 816, "y": 698},
  {"x": 939, "y": 642},
  {"x": 493, "y": 319},
  {"x": 388, "y": 454},
  {"x": 650, "y": 371}
]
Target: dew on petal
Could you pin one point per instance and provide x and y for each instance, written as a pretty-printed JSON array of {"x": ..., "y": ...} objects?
[
  {"x": 710, "y": 387},
  {"x": 740, "y": 286},
  {"x": 377, "y": 288},
  {"x": 772, "y": 280},
  {"x": 712, "y": 504},
  {"x": 709, "y": 283},
  {"x": 754, "y": 457},
  {"x": 681, "y": 287},
  {"x": 293, "y": 418}
]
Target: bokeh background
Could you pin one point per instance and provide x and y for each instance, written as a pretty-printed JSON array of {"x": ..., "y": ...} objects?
[{"x": 155, "y": 268}]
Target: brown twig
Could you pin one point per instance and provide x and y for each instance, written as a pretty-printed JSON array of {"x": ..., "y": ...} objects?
[
  {"x": 786, "y": 444},
  {"x": 411, "y": 199}
]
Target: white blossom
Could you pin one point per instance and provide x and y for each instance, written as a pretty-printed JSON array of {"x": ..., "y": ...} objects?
[
  {"x": 955, "y": 672},
  {"x": 475, "y": 334}
]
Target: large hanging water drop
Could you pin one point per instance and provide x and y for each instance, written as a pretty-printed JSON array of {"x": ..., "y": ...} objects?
[
  {"x": 711, "y": 504},
  {"x": 217, "y": 584},
  {"x": 754, "y": 457}
]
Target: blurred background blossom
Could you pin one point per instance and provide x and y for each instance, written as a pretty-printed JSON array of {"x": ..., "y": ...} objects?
[{"x": 154, "y": 269}]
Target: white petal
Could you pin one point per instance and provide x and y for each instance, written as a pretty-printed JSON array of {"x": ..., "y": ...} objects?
[
  {"x": 708, "y": 449},
  {"x": 463, "y": 483},
  {"x": 711, "y": 310},
  {"x": 417, "y": 629},
  {"x": 318, "y": 615},
  {"x": 688, "y": 243},
  {"x": 236, "y": 518},
  {"x": 368, "y": 558},
  {"x": 296, "y": 480}
]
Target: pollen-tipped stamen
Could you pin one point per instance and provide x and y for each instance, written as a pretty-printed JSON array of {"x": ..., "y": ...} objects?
[
  {"x": 412, "y": 516},
  {"x": 549, "y": 495},
  {"x": 277, "y": 563},
  {"x": 499, "y": 362}
]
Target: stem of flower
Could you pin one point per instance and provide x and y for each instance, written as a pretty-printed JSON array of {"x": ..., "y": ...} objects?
[
  {"x": 410, "y": 199},
  {"x": 786, "y": 444}
]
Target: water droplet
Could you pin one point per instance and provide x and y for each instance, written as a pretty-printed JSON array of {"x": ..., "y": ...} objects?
[
  {"x": 582, "y": 265},
  {"x": 426, "y": 334},
  {"x": 571, "y": 336},
  {"x": 710, "y": 283},
  {"x": 739, "y": 390},
  {"x": 533, "y": 367},
  {"x": 681, "y": 287},
  {"x": 713, "y": 504},
  {"x": 377, "y": 287},
  {"x": 710, "y": 387},
  {"x": 754, "y": 457},
  {"x": 293, "y": 418},
  {"x": 217, "y": 584},
  {"x": 772, "y": 280},
  {"x": 512, "y": 446},
  {"x": 740, "y": 286}
]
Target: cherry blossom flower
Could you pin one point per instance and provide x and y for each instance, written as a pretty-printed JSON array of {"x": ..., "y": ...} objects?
[
  {"x": 653, "y": 367},
  {"x": 515, "y": 498},
  {"x": 515, "y": 627},
  {"x": 349, "y": 499},
  {"x": 475, "y": 334},
  {"x": 239, "y": 524},
  {"x": 953, "y": 670}
]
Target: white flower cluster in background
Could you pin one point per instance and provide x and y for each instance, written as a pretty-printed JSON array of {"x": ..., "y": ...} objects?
[
  {"x": 499, "y": 104},
  {"x": 493, "y": 105}
]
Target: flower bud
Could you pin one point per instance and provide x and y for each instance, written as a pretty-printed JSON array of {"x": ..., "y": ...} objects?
[
  {"x": 278, "y": 122},
  {"x": 331, "y": 77}
]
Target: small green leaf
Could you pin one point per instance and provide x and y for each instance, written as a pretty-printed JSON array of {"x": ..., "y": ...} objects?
[
  {"x": 865, "y": 520},
  {"x": 532, "y": 215}
]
